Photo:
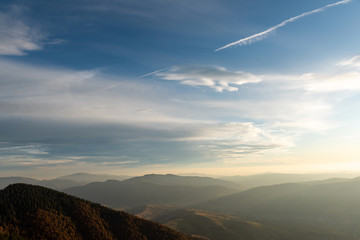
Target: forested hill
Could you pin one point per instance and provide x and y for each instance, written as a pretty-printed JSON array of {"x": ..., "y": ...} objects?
[{"x": 29, "y": 212}]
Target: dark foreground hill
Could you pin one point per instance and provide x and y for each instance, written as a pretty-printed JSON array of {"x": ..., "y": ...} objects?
[
  {"x": 153, "y": 189},
  {"x": 30, "y": 212}
]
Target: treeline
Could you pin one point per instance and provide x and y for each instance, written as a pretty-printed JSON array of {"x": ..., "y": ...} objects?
[{"x": 30, "y": 212}]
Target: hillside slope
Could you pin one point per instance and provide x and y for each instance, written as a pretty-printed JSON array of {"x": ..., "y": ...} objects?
[
  {"x": 195, "y": 181},
  {"x": 269, "y": 179},
  {"x": 210, "y": 225},
  {"x": 329, "y": 208},
  {"x": 34, "y": 212},
  {"x": 146, "y": 190}
]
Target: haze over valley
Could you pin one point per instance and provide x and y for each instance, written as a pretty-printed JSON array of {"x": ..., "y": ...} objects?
[{"x": 179, "y": 120}]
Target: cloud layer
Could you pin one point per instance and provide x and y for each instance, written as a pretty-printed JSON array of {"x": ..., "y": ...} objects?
[{"x": 54, "y": 116}]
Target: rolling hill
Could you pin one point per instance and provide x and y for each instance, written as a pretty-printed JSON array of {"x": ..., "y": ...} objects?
[
  {"x": 195, "y": 181},
  {"x": 85, "y": 178},
  {"x": 210, "y": 225},
  {"x": 269, "y": 179},
  {"x": 329, "y": 208},
  {"x": 33, "y": 212},
  {"x": 153, "y": 189},
  {"x": 60, "y": 183}
]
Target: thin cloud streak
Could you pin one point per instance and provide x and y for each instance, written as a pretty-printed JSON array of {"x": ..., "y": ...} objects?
[
  {"x": 261, "y": 35},
  {"x": 154, "y": 72}
]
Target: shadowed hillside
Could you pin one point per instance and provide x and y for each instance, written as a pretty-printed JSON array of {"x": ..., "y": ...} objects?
[
  {"x": 195, "y": 181},
  {"x": 153, "y": 189},
  {"x": 326, "y": 209},
  {"x": 34, "y": 212},
  {"x": 210, "y": 225}
]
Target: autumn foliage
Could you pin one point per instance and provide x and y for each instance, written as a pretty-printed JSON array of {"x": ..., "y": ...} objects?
[{"x": 30, "y": 212}]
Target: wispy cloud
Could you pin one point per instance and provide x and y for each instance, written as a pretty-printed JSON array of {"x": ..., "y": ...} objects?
[
  {"x": 261, "y": 35},
  {"x": 49, "y": 115},
  {"x": 353, "y": 62},
  {"x": 348, "y": 81},
  {"x": 27, "y": 149},
  {"x": 154, "y": 72},
  {"x": 58, "y": 100},
  {"x": 344, "y": 78},
  {"x": 23, "y": 161},
  {"x": 217, "y": 78},
  {"x": 16, "y": 36},
  {"x": 237, "y": 139}
]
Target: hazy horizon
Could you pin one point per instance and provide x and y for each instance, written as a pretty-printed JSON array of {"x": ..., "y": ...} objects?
[
  {"x": 209, "y": 87},
  {"x": 322, "y": 175}
]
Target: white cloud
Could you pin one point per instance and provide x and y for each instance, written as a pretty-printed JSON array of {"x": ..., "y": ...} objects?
[
  {"x": 294, "y": 114},
  {"x": 353, "y": 62},
  {"x": 24, "y": 160},
  {"x": 217, "y": 78},
  {"x": 244, "y": 131},
  {"x": 27, "y": 149},
  {"x": 16, "y": 36},
  {"x": 234, "y": 140},
  {"x": 118, "y": 163},
  {"x": 148, "y": 114},
  {"x": 269, "y": 117},
  {"x": 45, "y": 92},
  {"x": 238, "y": 133},
  {"x": 346, "y": 78},
  {"x": 348, "y": 81},
  {"x": 258, "y": 36}
]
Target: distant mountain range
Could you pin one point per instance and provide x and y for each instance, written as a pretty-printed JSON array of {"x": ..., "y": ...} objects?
[
  {"x": 63, "y": 182},
  {"x": 325, "y": 209},
  {"x": 205, "y": 207},
  {"x": 30, "y": 212},
  {"x": 234, "y": 182},
  {"x": 269, "y": 179},
  {"x": 155, "y": 189}
]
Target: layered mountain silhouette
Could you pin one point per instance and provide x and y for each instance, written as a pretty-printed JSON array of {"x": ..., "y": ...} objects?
[
  {"x": 60, "y": 183},
  {"x": 204, "y": 207},
  {"x": 154, "y": 189},
  {"x": 195, "y": 181},
  {"x": 269, "y": 179},
  {"x": 315, "y": 210},
  {"x": 30, "y": 212}
]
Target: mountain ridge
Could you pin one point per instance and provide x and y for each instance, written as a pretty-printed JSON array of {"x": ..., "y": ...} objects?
[
  {"x": 63, "y": 182},
  {"x": 34, "y": 212},
  {"x": 136, "y": 192},
  {"x": 327, "y": 209}
]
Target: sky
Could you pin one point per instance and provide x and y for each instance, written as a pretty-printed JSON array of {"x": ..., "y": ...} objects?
[{"x": 218, "y": 87}]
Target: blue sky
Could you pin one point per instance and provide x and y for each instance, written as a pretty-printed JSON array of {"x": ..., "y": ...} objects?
[{"x": 133, "y": 87}]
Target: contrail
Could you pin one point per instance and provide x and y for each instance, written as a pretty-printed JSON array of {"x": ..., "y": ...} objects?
[
  {"x": 154, "y": 72},
  {"x": 142, "y": 76},
  {"x": 259, "y": 36}
]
